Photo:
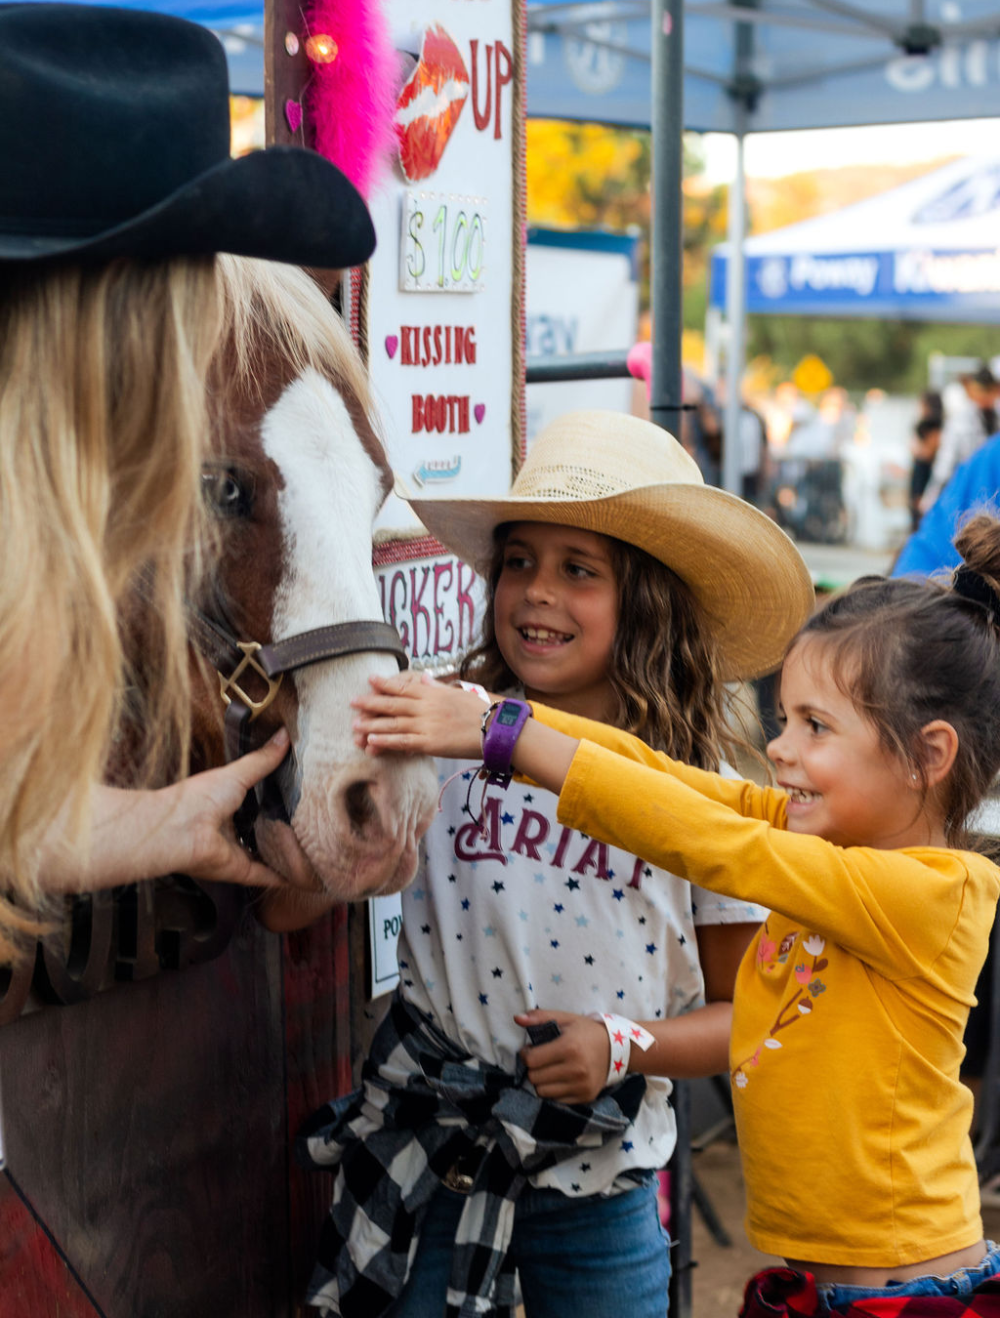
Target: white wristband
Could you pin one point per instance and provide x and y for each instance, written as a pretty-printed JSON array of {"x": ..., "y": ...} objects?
[
  {"x": 622, "y": 1034},
  {"x": 476, "y": 690}
]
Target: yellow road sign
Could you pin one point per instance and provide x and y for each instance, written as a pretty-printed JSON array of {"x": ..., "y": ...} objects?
[{"x": 812, "y": 375}]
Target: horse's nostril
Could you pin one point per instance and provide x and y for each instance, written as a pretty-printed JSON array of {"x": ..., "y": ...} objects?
[{"x": 360, "y": 806}]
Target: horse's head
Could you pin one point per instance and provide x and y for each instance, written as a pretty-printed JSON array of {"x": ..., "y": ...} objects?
[{"x": 296, "y": 477}]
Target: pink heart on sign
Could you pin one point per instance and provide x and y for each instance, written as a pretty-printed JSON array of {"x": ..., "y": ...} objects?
[
  {"x": 479, "y": 411},
  {"x": 293, "y": 115},
  {"x": 391, "y": 344}
]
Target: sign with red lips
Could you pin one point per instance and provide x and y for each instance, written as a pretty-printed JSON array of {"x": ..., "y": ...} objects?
[
  {"x": 430, "y": 103},
  {"x": 439, "y": 309}
]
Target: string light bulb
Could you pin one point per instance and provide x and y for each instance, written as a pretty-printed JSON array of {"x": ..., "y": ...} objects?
[{"x": 321, "y": 48}]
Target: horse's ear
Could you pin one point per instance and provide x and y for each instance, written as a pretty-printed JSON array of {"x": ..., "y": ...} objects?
[{"x": 328, "y": 280}]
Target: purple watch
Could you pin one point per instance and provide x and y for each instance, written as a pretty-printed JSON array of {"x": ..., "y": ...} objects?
[{"x": 500, "y": 735}]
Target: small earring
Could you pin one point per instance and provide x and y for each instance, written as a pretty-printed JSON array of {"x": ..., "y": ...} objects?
[{"x": 914, "y": 777}]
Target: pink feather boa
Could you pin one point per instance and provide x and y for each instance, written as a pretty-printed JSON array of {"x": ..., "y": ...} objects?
[{"x": 352, "y": 101}]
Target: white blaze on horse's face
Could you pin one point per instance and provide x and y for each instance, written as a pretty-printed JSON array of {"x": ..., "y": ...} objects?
[{"x": 356, "y": 818}]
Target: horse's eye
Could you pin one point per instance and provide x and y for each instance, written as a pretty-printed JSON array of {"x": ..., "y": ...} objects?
[{"x": 226, "y": 493}]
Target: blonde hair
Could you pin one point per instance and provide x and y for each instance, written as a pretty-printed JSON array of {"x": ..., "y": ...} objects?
[{"x": 102, "y": 432}]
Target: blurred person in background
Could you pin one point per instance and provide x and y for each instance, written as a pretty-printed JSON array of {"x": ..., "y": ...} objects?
[
  {"x": 970, "y": 417},
  {"x": 924, "y": 446},
  {"x": 701, "y": 427}
]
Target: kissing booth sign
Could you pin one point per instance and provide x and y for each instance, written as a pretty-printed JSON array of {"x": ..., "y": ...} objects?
[
  {"x": 440, "y": 308},
  {"x": 439, "y": 312},
  {"x": 159, "y": 1053}
]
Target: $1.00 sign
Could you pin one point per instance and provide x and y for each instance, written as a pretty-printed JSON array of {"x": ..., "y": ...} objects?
[{"x": 444, "y": 243}]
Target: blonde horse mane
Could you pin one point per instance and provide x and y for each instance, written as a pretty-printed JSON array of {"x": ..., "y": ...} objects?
[{"x": 280, "y": 309}]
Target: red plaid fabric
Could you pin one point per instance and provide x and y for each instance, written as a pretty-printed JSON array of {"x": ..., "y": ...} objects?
[
  {"x": 785, "y": 1293},
  {"x": 781, "y": 1293}
]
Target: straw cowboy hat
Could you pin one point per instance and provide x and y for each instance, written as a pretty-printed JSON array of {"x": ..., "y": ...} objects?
[
  {"x": 623, "y": 477},
  {"x": 114, "y": 138}
]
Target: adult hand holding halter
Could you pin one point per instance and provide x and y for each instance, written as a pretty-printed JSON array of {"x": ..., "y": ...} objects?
[{"x": 183, "y": 829}]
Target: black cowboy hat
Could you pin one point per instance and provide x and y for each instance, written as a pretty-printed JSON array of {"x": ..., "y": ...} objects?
[{"x": 114, "y": 141}]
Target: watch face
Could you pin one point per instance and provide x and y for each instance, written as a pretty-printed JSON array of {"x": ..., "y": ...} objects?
[{"x": 508, "y": 714}]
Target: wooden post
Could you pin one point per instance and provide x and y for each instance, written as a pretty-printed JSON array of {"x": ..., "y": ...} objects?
[{"x": 286, "y": 74}]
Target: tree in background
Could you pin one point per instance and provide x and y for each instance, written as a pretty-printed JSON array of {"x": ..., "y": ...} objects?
[{"x": 590, "y": 176}]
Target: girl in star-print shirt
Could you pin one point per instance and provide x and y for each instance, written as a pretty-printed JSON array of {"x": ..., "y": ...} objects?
[{"x": 514, "y": 920}]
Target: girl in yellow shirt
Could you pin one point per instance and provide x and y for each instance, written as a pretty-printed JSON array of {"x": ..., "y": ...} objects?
[{"x": 851, "y": 1003}]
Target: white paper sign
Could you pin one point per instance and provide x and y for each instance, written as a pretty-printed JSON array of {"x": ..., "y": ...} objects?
[
  {"x": 441, "y": 314},
  {"x": 385, "y": 919},
  {"x": 433, "y": 600},
  {"x": 583, "y": 296},
  {"x": 444, "y": 292},
  {"x": 443, "y": 244}
]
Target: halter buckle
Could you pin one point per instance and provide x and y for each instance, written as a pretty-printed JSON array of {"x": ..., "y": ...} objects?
[{"x": 230, "y": 683}]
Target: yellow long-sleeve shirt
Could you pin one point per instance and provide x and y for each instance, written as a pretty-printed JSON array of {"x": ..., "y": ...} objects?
[{"x": 850, "y": 1004}]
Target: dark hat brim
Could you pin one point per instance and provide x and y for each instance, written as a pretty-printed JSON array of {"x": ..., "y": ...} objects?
[{"x": 282, "y": 204}]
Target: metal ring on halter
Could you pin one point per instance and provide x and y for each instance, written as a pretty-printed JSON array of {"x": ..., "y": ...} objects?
[{"x": 230, "y": 684}]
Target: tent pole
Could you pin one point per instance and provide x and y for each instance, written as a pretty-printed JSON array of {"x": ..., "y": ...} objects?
[
  {"x": 666, "y": 247},
  {"x": 732, "y": 477},
  {"x": 666, "y": 120}
]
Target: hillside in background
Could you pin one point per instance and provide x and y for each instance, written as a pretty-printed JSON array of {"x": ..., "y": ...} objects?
[
  {"x": 590, "y": 176},
  {"x": 773, "y": 203}
]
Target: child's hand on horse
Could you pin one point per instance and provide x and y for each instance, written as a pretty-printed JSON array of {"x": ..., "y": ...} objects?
[
  {"x": 411, "y": 712},
  {"x": 572, "y": 1068}
]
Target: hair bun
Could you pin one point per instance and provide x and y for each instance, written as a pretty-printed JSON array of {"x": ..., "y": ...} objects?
[{"x": 973, "y": 586}]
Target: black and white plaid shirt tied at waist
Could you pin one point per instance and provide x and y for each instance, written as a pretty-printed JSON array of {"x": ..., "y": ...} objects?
[{"x": 423, "y": 1105}]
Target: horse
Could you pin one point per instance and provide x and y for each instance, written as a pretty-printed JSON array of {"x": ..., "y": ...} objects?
[
  {"x": 295, "y": 476},
  {"x": 146, "y": 1126}
]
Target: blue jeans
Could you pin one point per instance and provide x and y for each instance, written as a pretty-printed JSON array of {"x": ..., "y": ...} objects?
[
  {"x": 962, "y": 1282},
  {"x": 594, "y": 1257}
]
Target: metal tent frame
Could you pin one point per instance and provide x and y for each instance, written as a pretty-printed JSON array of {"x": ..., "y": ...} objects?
[{"x": 749, "y": 66}]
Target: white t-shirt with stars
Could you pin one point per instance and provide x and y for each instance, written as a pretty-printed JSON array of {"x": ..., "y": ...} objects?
[{"x": 534, "y": 914}]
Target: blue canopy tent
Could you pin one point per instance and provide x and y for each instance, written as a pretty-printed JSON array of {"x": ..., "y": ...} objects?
[
  {"x": 749, "y": 66},
  {"x": 758, "y": 66},
  {"x": 927, "y": 250}
]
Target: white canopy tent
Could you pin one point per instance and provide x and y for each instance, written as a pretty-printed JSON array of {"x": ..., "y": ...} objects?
[{"x": 926, "y": 250}]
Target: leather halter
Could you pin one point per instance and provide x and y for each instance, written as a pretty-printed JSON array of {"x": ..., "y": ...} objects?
[
  {"x": 239, "y": 662},
  {"x": 234, "y": 661}
]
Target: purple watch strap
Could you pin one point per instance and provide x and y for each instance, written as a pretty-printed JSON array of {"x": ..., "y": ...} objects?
[{"x": 501, "y": 736}]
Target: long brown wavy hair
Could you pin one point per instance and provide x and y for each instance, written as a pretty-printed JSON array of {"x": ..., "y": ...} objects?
[{"x": 665, "y": 670}]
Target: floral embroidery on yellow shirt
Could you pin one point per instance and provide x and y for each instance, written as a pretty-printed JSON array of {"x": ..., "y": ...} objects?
[{"x": 802, "y": 1002}]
